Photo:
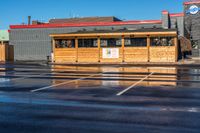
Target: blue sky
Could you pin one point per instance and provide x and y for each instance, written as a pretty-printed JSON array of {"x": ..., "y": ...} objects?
[{"x": 16, "y": 11}]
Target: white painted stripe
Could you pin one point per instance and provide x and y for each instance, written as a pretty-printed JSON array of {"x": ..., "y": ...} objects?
[
  {"x": 125, "y": 90},
  {"x": 67, "y": 82}
]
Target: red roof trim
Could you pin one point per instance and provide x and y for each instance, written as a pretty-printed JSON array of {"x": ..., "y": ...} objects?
[
  {"x": 176, "y": 14},
  {"x": 165, "y": 12},
  {"x": 191, "y": 2},
  {"x": 86, "y": 24}
]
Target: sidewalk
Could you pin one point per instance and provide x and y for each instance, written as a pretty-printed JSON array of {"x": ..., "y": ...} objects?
[
  {"x": 192, "y": 62},
  {"x": 185, "y": 62}
]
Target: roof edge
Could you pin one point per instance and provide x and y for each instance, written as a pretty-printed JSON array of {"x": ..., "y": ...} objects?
[
  {"x": 174, "y": 32},
  {"x": 86, "y": 24},
  {"x": 191, "y": 2},
  {"x": 176, "y": 14}
]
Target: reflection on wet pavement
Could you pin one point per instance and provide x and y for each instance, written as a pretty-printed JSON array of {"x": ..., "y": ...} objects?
[
  {"x": 123, "y": 76},
  {"x": 109, "y": 76}
]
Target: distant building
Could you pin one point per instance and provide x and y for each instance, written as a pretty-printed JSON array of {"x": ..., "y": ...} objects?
[
  {"x": 33, "y": 41},
  {"x": 6, "y": 51},
  {"x": 4, "y": 36}
]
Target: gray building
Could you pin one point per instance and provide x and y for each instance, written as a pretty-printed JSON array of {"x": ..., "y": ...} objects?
[
  {"x": 192, "y": 24},
  {"x": 32, "y": 42}
]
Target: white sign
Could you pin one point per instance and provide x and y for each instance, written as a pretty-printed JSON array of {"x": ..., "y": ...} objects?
[
  {"x": 193, "y": 9},
  {"x": 110, "y": 53}
]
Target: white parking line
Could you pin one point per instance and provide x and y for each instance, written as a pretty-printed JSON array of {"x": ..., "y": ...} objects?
[
  {"x": 125, "y": 90},
  {"x": 67, "y": 82}
]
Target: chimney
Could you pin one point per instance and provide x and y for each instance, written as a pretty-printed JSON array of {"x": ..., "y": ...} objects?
[
  {"x": 29, "y": 20},
  {"x": 165, "y": 19}
]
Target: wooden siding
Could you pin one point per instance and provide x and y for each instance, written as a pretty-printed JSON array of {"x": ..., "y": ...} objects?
[
  {"x": 2, "y": 52},
  {"x": 163, "y": 54},
  {"x": 131, "y": 54},
  {"x": 88, "y": 55},
  {"x": 136, "y": 54},
  {"x": 64, "y": 55}
]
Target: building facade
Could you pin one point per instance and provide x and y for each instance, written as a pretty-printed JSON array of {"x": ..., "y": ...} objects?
[
  {"x": 32, "y": 42},
  {"x": 192, "y": 25}
]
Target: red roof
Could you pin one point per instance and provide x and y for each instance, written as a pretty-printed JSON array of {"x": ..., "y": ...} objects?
[
  {"x": 87, "y": 24},
  {"x": 192, "y": 2},
  {"x": 176, "y": 15}
]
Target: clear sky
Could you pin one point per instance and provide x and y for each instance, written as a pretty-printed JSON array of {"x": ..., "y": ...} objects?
[{"x": 16, "y": 11}]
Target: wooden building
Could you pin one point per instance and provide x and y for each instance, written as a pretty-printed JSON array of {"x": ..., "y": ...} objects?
[
  {"x": 6, "y": 50},
  {"x": 116, "y": 46}
]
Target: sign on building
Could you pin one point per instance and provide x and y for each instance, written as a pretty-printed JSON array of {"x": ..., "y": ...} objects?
[
  {"x": 193, "y": 10},
  {"x": 110, "y": 53}
]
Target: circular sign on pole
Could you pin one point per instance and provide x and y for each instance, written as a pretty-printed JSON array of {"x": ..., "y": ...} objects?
[{"x": 193, "y": 9}]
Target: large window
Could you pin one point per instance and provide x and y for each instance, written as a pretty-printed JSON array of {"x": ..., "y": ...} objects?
[
  {"x": 111, "y": 42},
  {"x": 135, "y": 42},
  {"x": 162, "y": 41},
  {"x": 87, "y": 43},
  {"x": 65, "y": 43}
]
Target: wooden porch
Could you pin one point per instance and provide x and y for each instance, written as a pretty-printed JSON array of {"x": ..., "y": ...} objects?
[{"x": 124, "y": 49}]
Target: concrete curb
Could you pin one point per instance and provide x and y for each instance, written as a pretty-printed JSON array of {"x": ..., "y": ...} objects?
[{"x": 129, "y": 64}]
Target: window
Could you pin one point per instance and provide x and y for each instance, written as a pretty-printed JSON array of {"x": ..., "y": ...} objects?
[
  {"x": 162, "y": 41},
  {"x": 65, "y": 43},
  {"x": 111, "y": 42},
  {"x": 135, "y": 42},
  {"x": 87, "y": 43}
]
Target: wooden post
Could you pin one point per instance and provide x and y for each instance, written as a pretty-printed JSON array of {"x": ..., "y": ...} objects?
[
  {"x": 176, "y": 48},
  {"x": 76, "y": 46},
  {"x": 99, "y": 47},
  {"x": 53, "y": 50},
  {"x": 1, "y": 51},
  {"x": 123, "y": 45},
  {"x": 148, "y": 48}
]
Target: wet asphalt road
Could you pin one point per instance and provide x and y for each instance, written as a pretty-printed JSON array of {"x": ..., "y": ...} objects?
[{"x": 106, "y": 99}]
